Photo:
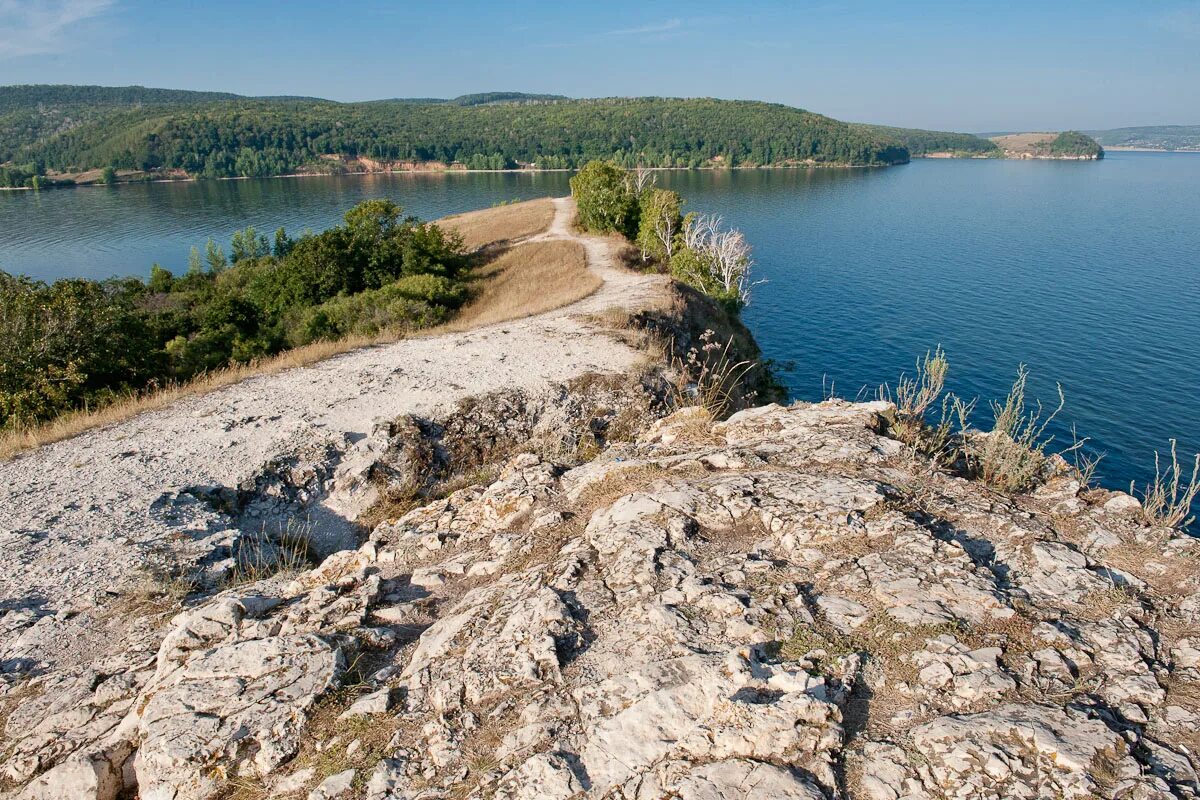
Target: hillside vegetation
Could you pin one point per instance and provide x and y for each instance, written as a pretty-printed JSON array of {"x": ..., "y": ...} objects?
[
  {"x": 922, "y": 142},
  {"x": 1065, "y": 145},
  {"x": 1153, "y": 137},
  {"x": 54, "y": 132}
]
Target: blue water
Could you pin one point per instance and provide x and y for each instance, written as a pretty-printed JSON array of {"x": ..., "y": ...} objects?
[{"x": 1087, "y": 272}]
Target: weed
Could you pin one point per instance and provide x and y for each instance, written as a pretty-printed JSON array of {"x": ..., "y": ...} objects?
[{"x": 709, "y": 377}]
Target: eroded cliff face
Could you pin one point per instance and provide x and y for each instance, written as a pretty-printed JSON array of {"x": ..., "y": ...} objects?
[{"x": 788, "y": 604}]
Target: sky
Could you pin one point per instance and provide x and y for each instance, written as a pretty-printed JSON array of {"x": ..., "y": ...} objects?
[{"x": 968, "y": 66}]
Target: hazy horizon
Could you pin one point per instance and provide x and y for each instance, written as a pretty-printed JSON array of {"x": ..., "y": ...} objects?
[{"x": 1095, "y": 65}]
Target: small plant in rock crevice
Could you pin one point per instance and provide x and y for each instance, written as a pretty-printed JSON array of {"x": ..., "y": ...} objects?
[{"x": 267, "y": 554}]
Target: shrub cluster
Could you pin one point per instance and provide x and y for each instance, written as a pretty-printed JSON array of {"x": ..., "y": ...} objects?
[
  {"x": 80, "y": 343},
  {"x": 695, "y": 248}
]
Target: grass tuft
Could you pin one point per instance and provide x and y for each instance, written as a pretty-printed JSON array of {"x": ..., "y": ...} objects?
[{"x": 270, "y": 554}]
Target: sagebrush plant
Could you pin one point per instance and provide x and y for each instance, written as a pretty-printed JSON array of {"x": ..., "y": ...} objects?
[
  {"x": 914, "y": 397},
  {"x": 1167, "y": 501},
  {"x": 1012, "y": 457},
  {"x": 709, "y": 376}
]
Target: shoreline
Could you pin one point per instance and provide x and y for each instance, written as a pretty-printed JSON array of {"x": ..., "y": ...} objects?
[
  {"x": 1122, "y": 149},
  {"x": 194, "y": 179}
]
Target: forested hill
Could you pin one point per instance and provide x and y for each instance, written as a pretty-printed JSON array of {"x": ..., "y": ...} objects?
[
  {"x": 923, "y": 143},
  {"x": 55, "y": 134}
]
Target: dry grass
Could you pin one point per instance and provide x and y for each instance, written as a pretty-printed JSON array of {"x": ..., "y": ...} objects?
[
  {"x": 283, "y": 552},
  {"x": 74, "y": 423},
  {"x": 1017, "y": 143},
  {"x": 527, "y": 280},
  {"x": 1167, "y": 501},
  {"x": 153, "y": 594},
  {"x": 501, "y": 224}
]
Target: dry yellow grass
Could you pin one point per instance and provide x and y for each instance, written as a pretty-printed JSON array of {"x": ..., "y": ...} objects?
[
  {"x": 501, "y": 224},
  {"x": 69, "y": 425},
  {"x": 1025, "y": 143},
  {"x": 527, "y": 280}
]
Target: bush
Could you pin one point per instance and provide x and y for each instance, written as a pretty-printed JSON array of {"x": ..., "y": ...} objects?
[
  {"x": 81, "y": 342},
  {"x": 69, "y": 344},
  {"x": 605, "y": 199}
]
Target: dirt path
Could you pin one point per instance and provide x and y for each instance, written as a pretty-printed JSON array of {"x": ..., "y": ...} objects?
[{"x": 80, "y": 518}]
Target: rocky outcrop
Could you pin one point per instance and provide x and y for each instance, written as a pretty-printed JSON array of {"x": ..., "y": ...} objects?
[{"x": 788, "y": 604}]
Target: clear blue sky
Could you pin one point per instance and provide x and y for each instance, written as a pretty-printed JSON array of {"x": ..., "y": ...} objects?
[{"x": 959, "y": 65}]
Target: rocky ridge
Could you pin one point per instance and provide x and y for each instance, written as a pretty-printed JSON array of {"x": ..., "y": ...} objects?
[{"x": 787, "y": 604}]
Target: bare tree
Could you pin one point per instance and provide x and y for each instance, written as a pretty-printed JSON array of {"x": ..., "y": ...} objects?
[
  {"x": 723, "y": 256},
  {"x": 641, "y": 179},
  {"x": 665, "y": 229}
]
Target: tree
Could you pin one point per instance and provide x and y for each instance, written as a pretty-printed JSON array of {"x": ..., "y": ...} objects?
[
  {"x": 604, "y": 198},
  {"x": 248, "y": 244},
  {"x": 642, "y": 179},
  {"x": 215, "y": 256},
  {"x": 160, "y": 279},
  {"x": 195, "y": 265},
  {"x": 282, "y": 243},
  {"x": 715, "y": 261},
  {"x": 659, "y": 222},
  {"x": 109, "y": 176}
]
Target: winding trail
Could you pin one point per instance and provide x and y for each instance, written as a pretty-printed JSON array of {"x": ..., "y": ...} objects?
[{"x": 78, "y": 518}]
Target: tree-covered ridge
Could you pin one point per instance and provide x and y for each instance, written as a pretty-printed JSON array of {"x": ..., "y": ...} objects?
[
  {"x": 79, "y": 343},
  {"x": 249, "y": 137},
  {"x": 922, "y": 142},
  {"x": 22, "y": 97}
]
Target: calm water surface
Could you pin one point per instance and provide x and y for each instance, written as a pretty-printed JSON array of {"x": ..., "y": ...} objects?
[{"x": 1087, "y": 272}]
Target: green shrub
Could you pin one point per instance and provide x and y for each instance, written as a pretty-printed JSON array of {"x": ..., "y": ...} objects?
[{"x": 605, "y": 199}]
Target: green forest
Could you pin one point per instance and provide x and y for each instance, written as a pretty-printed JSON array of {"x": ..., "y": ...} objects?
[
  {"x": 80, "y": 343},
  {"x": 50, "y": 130}
]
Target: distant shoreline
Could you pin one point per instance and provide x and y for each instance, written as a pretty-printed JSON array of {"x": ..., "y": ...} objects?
[
  {"x": 193, "y": 179},
  {"x": 1124, "y": 149}
]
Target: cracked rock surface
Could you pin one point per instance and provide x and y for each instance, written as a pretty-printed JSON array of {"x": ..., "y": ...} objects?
[{"x": 787, "y": 604}]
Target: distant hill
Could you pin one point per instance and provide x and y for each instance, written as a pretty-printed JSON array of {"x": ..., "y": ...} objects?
[
  {"x": 1068, "y": 145},
  {"x": 923, "y": 143},
  {"x": 480, "y": 99},
  {"x": 55, "y": 133},
  {"x": 1151, "y": 137}
]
